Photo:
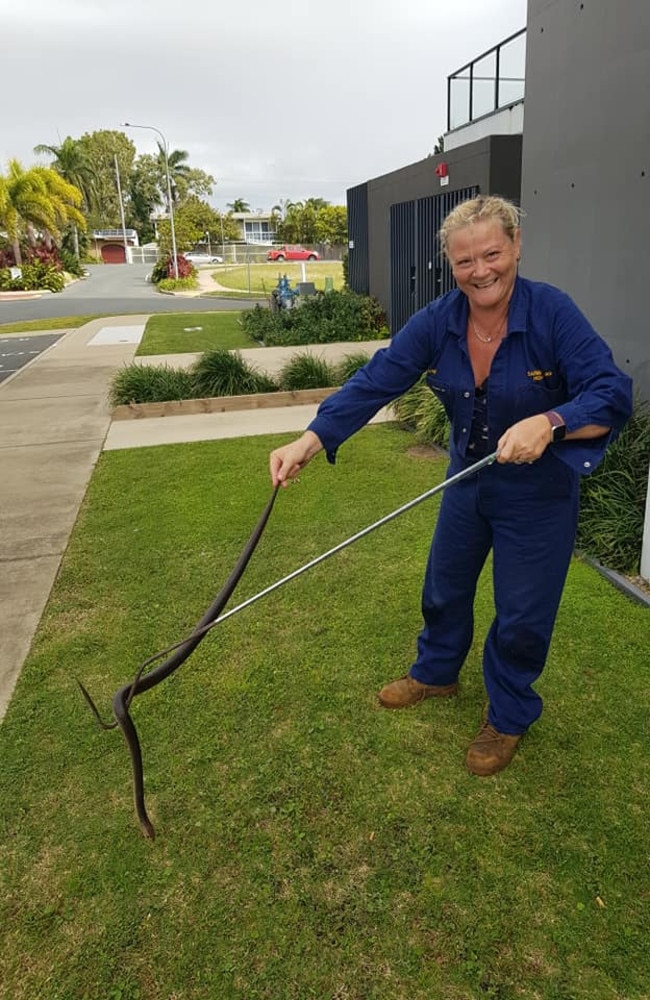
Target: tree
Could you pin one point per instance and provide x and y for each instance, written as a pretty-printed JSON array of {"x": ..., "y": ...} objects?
[
  {"x": 332, "y": 225},
  {"x": 70, "y": 160},
  {"x": 282, "y": 207},
  {"x": 239, "y": 205},
  {"x": 100, "y": 149},
  {"x": 439, "y": 146},
  {"x": 178, "y": 170},
  {"x": 195, "y": 183},
  {"x": 36, "y": 199},
  {"x": 144, "y": 196}
]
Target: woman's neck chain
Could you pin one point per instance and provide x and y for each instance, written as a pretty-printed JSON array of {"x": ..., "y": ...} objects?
[{"x": 491, "y": 336}]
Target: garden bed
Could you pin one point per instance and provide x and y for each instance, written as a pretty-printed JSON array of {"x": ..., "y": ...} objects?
[{"x": 221, "y": 404}]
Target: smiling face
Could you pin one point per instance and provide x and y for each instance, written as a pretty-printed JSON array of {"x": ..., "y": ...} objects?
[{"x": 483, "y": 259}]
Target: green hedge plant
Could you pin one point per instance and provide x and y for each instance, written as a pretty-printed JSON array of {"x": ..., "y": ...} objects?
[
  {"x": 420, "y": 411},
  {"x": 613, "y": 498},
  {"x": 324, "y": 318},
  {"x": 306, "y": 371},
  {"x": 349, "y": 365},
  {"x": 136, "y": 383},
  {"x": 226, "y": 373}
]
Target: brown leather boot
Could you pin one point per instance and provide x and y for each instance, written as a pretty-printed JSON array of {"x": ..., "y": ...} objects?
[
  {"x": 491, "y": 751},
  {"x": 406, "y": 692}
]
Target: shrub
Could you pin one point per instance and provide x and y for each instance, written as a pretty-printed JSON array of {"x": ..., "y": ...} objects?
[
  {"x": 350, "y": 364},
  {"x": 323, "y": 318},
  {"x": 421, "y": 411},
  {"x": 613, "y": 498},
  {"x": 136, "y": 383},
  {"x": 345, "y": 260},
  {"x": 258, "y": 323},
  {"x": 71, "y": 263},
  {"x": 164, "y": 268},
  {"x": 305, "y": 371},
  {"x": 226, "y": 373},
  {"x": 34, "y": 276},
  {"x": 182, "y": 285}
]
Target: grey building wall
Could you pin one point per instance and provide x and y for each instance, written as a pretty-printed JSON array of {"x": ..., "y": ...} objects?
[
  {"x": 586, "y": 165},
  {"x": 493, "y": 164}
]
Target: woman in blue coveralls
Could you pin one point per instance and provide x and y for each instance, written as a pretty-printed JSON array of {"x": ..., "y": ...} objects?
[{"x": 520, "y": 371}]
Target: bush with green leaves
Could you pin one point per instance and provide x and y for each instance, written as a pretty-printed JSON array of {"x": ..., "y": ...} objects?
[
  {"x": 71, "y": 263},
  {"x": 306, "y": 371},
  {"x": 613, "y": 498},
  {"x": 34, "y": 277},
  {"x": 226, "y": 373},
  {"x": 324, "y": 318},
  {"x": 422, "y": 412},
  {"x": 349, "y": 365},
  {"x": 136, "y": 383},
  {"x": 178, "y": 285}
]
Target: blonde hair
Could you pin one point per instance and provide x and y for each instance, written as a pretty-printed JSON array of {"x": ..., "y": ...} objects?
[{"x": 485, "y": 208}]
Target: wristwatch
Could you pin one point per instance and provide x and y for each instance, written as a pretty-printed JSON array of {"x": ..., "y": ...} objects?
[{"x": 558, "y": 427}]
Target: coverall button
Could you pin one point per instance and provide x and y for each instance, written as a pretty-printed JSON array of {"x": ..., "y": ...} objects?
[
  {"x": 587, "y": 465},
  {"x": 464, "y": 430},
  {"x": 466, "y": 395}
]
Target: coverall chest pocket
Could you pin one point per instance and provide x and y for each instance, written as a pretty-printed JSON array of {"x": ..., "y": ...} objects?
[{"x": 535, "y": 397}]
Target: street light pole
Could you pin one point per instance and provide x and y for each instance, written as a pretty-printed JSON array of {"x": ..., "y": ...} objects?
[{"x": 152, "y": 128}]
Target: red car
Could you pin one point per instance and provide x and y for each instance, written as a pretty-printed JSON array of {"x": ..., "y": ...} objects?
[{"x": 291, "y": 252}]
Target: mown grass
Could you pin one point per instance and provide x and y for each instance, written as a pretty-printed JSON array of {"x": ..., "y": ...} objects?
[
  {"x": 309, "y": 843},
  {"x": 180, "y": 333},
  {"x": 264, "y": 277},
  {"x": 54, "y": 323}
]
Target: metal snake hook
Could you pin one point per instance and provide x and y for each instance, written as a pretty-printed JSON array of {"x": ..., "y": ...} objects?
[{"x": 181, "y": 650}]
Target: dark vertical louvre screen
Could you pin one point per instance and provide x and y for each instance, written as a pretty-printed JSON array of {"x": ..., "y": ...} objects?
[
  {"x": 419, "y": 272},
  {"x": 358, "y": 257},
  {"x": 402, "y": 264}
]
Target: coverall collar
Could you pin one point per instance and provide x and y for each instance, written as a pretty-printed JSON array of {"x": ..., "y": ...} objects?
[{"x": 517, "y": 312}]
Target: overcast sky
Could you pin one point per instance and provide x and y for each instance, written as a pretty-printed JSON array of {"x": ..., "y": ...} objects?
[{"x": 291, "y": 99}]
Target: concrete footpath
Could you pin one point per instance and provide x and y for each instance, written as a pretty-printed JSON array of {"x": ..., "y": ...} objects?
[{"x": 54, "y": 422}]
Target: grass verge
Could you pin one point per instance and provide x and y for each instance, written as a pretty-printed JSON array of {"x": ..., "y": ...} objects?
[
  {"x": 57, "y": 323},
  {"x": 181, "y": 333},
  {"x": 264, "y": 277},
  {"x": 310, "y": 844}
]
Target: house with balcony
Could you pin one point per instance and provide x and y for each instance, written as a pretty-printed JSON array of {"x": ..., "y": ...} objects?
[{"x": 255, "y": 227}]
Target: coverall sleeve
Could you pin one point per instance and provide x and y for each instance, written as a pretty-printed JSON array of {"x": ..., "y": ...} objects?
[
  {"x": 388, "y": 374},
  {"x": 598, "y": 391}
]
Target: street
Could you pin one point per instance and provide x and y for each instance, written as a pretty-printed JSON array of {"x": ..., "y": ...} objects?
[
  {"x": 16, "y": 351},
  {"x": 111, "y": 289}
]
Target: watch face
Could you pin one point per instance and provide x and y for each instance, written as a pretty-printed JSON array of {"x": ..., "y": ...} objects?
[{"x": 559, "y": 432}]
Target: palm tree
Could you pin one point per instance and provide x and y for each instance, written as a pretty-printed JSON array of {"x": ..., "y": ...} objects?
[
  {"x": 178, "y": 170},
  {"x": 37, "y": 198},
  {"x": 65, "y": 198},
  {"x": 238, "y": 205},
  {"x": 282, "y": 207},
  {"x": 26, "y": 204},
  {"x": 69, "y": 159}
]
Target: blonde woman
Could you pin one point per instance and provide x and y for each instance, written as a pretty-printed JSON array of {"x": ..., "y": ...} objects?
[{"x": 520, "y": 371}]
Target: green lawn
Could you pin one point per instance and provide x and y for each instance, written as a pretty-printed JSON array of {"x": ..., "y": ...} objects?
[
  {"x": 264, "y": 277},
  {"x": 58, "y": 323},
  {"x": 310, "y": 844},
  {"x": 180, "y": 333}
]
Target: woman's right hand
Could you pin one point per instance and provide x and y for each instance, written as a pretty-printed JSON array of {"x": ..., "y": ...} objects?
[{"x": 285, "y": 463}]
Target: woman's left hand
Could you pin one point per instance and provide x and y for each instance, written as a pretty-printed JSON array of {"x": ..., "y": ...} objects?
[{"x": 525, "y": 441}]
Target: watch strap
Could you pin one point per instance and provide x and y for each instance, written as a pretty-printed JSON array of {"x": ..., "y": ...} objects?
[{"x": 558, "y": 427}]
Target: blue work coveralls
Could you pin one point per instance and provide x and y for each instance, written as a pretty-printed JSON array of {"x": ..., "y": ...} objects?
[{"x": 550, "y": 359}]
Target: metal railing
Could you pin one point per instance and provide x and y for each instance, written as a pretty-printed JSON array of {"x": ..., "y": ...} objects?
[{"x": 494, "y": 80}]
